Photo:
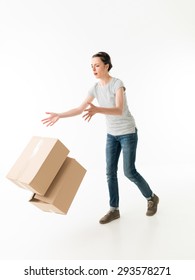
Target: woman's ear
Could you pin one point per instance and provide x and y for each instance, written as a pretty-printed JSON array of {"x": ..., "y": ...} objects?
[{"x": 107, "y": 66}]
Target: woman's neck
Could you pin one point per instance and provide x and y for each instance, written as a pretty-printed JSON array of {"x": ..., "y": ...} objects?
[{"x": 105, "y": 80}]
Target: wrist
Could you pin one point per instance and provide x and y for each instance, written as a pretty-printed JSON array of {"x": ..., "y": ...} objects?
[
  {"x": 99, "y": 110},
  {"x": 60, "y": 115}
]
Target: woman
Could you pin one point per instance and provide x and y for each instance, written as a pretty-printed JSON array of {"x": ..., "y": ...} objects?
[{"x": 121, "y": 133}]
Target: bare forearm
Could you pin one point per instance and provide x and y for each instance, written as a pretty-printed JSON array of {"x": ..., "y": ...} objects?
[
  {"x": 54, "y": 117},
  {"x": 109, "y": 111},
  {"x": 71, "y": 113}
]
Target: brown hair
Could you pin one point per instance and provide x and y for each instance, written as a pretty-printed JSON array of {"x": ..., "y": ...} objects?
[{"x": 105, "y": 58}]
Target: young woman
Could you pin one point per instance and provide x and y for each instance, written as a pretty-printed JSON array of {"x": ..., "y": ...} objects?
[{"x": 121, "y": 133}]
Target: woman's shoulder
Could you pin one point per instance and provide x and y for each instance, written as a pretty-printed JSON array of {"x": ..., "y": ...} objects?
[
  {"x": 116, "y": 80},
  {"x": 94, "y": 85}
]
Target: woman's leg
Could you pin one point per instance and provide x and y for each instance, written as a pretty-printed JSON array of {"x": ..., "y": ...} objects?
[
  {"x": 129, "y": 146},
  {"x": 113, "y": 149}
]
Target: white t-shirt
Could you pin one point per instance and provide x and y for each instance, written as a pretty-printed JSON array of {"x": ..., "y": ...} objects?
[{"x": 105, "y": 95}]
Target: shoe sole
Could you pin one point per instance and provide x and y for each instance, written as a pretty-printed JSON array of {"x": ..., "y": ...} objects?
[{"x": 102, "y": 223}]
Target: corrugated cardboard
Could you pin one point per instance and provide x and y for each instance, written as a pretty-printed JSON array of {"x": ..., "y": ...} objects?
[
  {"x": 63, "y": 189},
  {"x": 38, "y": 164}
]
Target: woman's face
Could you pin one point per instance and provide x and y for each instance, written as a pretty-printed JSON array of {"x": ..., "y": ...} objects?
[{"x": 100, "y": 70}]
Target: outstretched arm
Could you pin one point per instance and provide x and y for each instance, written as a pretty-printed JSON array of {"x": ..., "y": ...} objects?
[{"x": 54, "y": 117}]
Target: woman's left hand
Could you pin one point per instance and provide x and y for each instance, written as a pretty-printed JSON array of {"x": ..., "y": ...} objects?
[{"x": 91, "y": 110}]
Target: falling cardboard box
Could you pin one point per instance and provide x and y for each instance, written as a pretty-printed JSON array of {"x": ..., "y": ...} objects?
[
  {"x": 44, "y": 168},
  {"x": 62, "y": 190},
  {"x": 38, "y": 164}
]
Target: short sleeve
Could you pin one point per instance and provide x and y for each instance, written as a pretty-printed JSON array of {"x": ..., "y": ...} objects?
[
  {"x": 118, "y": 84},
  {"x": 91, "y": 91}
]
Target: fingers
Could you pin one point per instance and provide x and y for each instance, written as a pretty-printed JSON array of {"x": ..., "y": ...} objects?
[
  {"x": 89, "y": 112},
  {"x": 50, "y": 120},
  {"x": 87, "y": 117},
  {"x": 90, "y": 104},
  {"x": 47, "y": 122},
  {"x": 50, "y": 124},
  {"x": 44, "y": 120}
]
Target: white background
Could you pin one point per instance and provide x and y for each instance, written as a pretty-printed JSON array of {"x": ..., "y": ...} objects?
[{"x": 45, "y": 58}]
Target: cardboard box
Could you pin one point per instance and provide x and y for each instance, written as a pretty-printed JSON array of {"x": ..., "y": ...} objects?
[
  {"x": 63, "y": 189},
  {"x": 38, "y": 164}
]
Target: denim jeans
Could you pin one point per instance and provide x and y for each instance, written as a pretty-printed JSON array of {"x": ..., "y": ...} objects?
[{"x": 128, "y": 144}]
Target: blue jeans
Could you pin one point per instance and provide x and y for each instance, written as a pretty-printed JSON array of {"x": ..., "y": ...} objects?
[{"x": 128, "y": 144}]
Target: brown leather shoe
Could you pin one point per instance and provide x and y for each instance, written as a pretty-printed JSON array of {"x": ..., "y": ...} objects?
[
  {"x": 110, "y": 216},
  {"x": 152, "y": 205}
]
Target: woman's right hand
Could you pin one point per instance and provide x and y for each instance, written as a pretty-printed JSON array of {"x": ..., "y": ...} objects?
[{"x": 53, "y": 118}]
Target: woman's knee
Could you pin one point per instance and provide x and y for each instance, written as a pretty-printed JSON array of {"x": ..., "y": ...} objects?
[
  {"x": 131, "y": 174},
  {"x": 110, "y": 173}
]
